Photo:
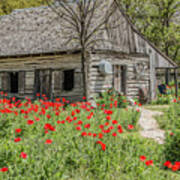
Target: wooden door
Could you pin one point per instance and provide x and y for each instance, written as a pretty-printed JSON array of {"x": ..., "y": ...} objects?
[
  {"x": 43, "y": 82},
  {"x": 120, "y": 78}
]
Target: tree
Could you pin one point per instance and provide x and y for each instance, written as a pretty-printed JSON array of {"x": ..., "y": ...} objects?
[
  {"x": 7, "y": 6},
  {"x": 158, "y": 21},
  {"x": 84, "y": 22}
]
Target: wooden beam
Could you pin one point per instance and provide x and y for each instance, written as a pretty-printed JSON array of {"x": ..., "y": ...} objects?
[
  {"x": 176, "y": 82},
  {"x": 167, "y": 76}
]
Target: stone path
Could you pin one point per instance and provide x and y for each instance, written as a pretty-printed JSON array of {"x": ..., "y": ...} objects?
[{"x": 149, "y": 126}]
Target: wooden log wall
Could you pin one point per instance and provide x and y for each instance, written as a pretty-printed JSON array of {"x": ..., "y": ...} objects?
[
  {"x": 27, "y": 67},
  {"x": 98, "y": 83}
]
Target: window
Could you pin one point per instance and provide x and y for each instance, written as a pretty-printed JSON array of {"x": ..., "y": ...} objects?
[
  {"x": 14, "y": 82},
  {"x": 68, "y": 80}
]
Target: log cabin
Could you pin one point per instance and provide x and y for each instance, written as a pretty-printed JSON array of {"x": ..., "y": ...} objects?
[{"x": 34, "y": 58}]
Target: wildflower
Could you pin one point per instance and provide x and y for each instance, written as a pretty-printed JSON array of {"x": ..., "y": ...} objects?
[
  {"x": 130, "y": 127},
  {"x": 175, "y": 167},
  {"x": 114, "y": 122},
  {"x": 149, "y": 163},
  {"x": 142, "y": 158},
  {"x": 168, "y": 164},
  {"x": 114, "y": 134},
  {"x": 48, "y": 141},
  {"x": 30, "y": 122},
  {"x": 4, "y": 169},
  {"x": 100, "y": 135},
  {"x": 17, "y": 139},
  {"x": 120, "y": 130},
  {"x": 23, "y": 155},
  {"x": 83, "y": 134},
  {"x": 78, "y": 128},
  {"x": 108, "y": 117},
  {"x": 18, "y": 130},
  {"x": 87, "y": 126}
]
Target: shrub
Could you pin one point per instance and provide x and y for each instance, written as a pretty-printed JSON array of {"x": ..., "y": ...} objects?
[
  {"x": 172, "y": 146},
  {"x": 112, "y": 98}
]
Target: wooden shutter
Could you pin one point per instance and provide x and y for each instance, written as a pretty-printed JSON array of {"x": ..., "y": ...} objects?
[
  {"x": 78, "y": 79},
  {"x": 5, "y": 82},
  {"x": 124, "y": 78},
  {"x": 21, "y": 82},
  {"x": 57, "y": 82}
]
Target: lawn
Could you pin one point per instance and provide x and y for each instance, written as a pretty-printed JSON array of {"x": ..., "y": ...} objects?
[{"x": 56, "y": 140}]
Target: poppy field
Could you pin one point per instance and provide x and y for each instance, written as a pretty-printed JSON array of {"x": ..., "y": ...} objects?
[{"x": 58, "y": 140}]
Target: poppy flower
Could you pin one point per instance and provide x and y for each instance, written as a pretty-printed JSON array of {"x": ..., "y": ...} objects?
[
  {"x": 168, "y": 164},
  {"x": 114, "y": 122},
  {"x": 83, "y": 134},
  {"x": 149, "y": 163},
  {"x": 94, "y": 134},
  {"x": 142, "y": 158},
  {"x": 4, "y": 169},
  {"x": 23, "y": 155},
  {"x": 87, "y": 126},
  {"x": 120, "y": 130},
  {"x": 175, "y": 167},
  {"x": 48, "y": 141},
  {"x": 108, "y": 117},
  {"x": 103, "y": 146},
  {"x": 18, "y": 130},
  {"x": 78, "y": 128},
  {"x": 17, "y": 139},
  {"x": 114, "y": 134},
  {"x": 30, "y": 122},
  {"x": 130, "y": 126},
  {"x": 79, "y": 122},
  {"x": 100, "y": 135}
]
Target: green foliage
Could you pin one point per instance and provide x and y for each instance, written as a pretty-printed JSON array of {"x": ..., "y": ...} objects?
[
  {"x": 112, "y": 97},
  {"x": 172, "y": 145},
  {"x": 158, "y": 20},
  {"x": 171, "y": 118},
  {"x": 7, "y": 6}
]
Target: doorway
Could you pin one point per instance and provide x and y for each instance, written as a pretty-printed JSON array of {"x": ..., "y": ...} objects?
[
  {"x": 14, "y": 76},
  {"x": 119, "y": 78},
  {"x": 43, "y": 82}
]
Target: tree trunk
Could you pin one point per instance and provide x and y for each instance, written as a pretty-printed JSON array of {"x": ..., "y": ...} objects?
[{"x": 83, "y": 61}]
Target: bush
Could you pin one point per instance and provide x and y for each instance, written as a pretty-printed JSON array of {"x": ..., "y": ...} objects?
[
  {"x": 112, "y": 98},
  {"x": 172, "y": 146}
]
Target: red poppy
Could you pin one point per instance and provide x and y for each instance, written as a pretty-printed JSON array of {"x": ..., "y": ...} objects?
[
  {"x": 142, "y": 158},
  {"x": 48, "y": 116},
  {"x": 114, "y": 122},
  {"x": 175, "y": 167},
  {"x": 149, "y": 163},
  {"x": 17, "y": 139},
  {"x": 108, "y": 117},
  {"x": 18, "y": 130},
  {"x": 58, "y": 122},
  {"x": 89, "y": 134},
  {"x": 23, "y": 155},
  {"x": 114, "y": 134},
  {"x": 106, "y": 124},
  {"x": 94, "y": 134},
  {"x": 79, "y": 122},
  {"x": 78, "y": 128},
  {"x": 120, "y": 130},
  {"x": 87, "y": 126},
  {"x": 168, "y": 164},
  {"x": 130, "y": 126},
  {"x": 48, "y": 141},
  {"x": 30, "y": 122},
  {"x": 100, "y": 135},
  {"x": 103, "y": 146},
  {"x": 83, "y": 134},
  {"x": 4, "y": 169}
]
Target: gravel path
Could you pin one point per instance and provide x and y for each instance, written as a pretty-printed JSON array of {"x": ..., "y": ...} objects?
[{"x": 149, "y": 125}]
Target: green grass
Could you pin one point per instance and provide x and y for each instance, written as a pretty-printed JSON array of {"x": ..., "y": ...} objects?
[{"x": 70, "y": 155}]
